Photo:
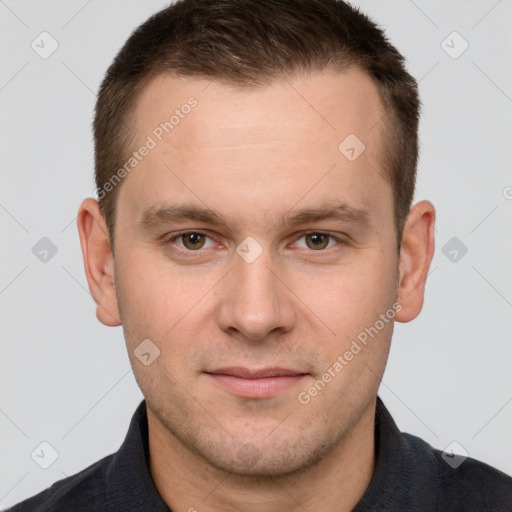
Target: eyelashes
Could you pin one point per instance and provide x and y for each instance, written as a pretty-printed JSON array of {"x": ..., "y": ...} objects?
[{"x": 198, "y": 241}]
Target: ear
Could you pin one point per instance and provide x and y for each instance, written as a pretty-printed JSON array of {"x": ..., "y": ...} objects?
[
  {"x": 416, "y": 252},
  {"x": 98, "y": 261}
]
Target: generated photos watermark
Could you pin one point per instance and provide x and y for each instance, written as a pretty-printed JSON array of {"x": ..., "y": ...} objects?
[
  {"x": 151, "y": 142},
  {"x": 334, "y": 370}
]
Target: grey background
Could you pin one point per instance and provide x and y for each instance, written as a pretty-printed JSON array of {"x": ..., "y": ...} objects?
[{"x": 65, "y": 378}]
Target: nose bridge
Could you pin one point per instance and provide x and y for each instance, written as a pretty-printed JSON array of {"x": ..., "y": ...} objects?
[
  {"x": 254, "y": 279},
  {"x": 255, "y": 302}
]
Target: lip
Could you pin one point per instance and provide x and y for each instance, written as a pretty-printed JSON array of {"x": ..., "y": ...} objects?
[{"x": 262, "y": 383}]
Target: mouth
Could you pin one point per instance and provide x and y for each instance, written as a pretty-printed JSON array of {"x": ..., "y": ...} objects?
[{"x": 262, "y": 383}]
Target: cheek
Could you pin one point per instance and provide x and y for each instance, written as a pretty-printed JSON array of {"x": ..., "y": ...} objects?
[
  {"x": 161, "y": 301},
  {"x": 358, "y": 307},
  {"x": 150, "y": 300},
  {"x": 352, "y": 295},
  {"x": 350, "y": 303}
]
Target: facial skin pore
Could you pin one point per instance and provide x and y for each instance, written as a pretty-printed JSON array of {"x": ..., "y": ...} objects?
[{"x": 256, "y": 157}]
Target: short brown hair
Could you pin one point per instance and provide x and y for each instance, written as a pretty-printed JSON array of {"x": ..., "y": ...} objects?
[{"x": 250, "y": 43}]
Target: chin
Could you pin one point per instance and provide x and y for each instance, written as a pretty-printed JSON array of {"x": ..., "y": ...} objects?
[{"x": 252, "y": 459}]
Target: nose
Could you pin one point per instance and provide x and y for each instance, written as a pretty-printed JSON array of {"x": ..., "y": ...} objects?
[{"x": 255, "y": 300}]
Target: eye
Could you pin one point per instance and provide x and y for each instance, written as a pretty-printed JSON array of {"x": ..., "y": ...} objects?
[
  {"x": 190, "y": 240},
  {"x": 194, "y": 241},
  {"x": 317, "y": 240}
]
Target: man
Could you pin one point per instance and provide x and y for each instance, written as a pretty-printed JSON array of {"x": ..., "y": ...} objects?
[{"x": 254, "y": 236}]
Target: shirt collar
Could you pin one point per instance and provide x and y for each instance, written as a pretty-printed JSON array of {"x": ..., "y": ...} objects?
[
  {"x": 391, "y": 449},
  {"x": 130, "y": 473}
]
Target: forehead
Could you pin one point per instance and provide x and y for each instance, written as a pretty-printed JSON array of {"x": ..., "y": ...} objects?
[
  {"x": 330, "y": 103},
  {"x": 300, "y": 135}
]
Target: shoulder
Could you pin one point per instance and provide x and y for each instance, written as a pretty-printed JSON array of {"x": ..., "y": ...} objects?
[
  {"x": 119, "y": 481},
  {"x": 462, "y": 483},
  {"x": 84, "y": 491}
]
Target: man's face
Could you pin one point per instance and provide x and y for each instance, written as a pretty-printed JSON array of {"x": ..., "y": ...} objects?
[{"x": 256, "y": 292}]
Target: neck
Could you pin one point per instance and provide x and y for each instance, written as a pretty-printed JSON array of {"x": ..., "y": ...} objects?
[{"x": 337, "y": 482}]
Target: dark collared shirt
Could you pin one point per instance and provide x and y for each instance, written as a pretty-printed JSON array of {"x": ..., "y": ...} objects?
[{"x": 409, "y": 475}]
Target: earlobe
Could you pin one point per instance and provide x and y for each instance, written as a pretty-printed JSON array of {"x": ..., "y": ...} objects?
[
  {"x": 98, "y": 261},
  {"x": 416, "y": 253}
]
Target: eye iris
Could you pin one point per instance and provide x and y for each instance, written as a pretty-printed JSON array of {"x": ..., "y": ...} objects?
[
  {"x": 318, "y": 240},
  {"x": 193, "y": 240}
]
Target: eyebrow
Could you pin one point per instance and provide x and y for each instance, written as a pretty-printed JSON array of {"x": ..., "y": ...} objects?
[{"x": 157, "y": 216}]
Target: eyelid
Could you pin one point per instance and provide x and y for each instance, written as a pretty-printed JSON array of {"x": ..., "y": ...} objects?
[
  {"x": 340, "y": 241},
  {"x": 168, "y": 239}
]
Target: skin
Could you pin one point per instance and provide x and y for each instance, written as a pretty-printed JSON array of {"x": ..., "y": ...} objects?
[{"x": 253, "y": 155}]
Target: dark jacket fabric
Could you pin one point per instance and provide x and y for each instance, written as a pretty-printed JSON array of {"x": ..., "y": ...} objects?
[{"x": 410, "y": 475}]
